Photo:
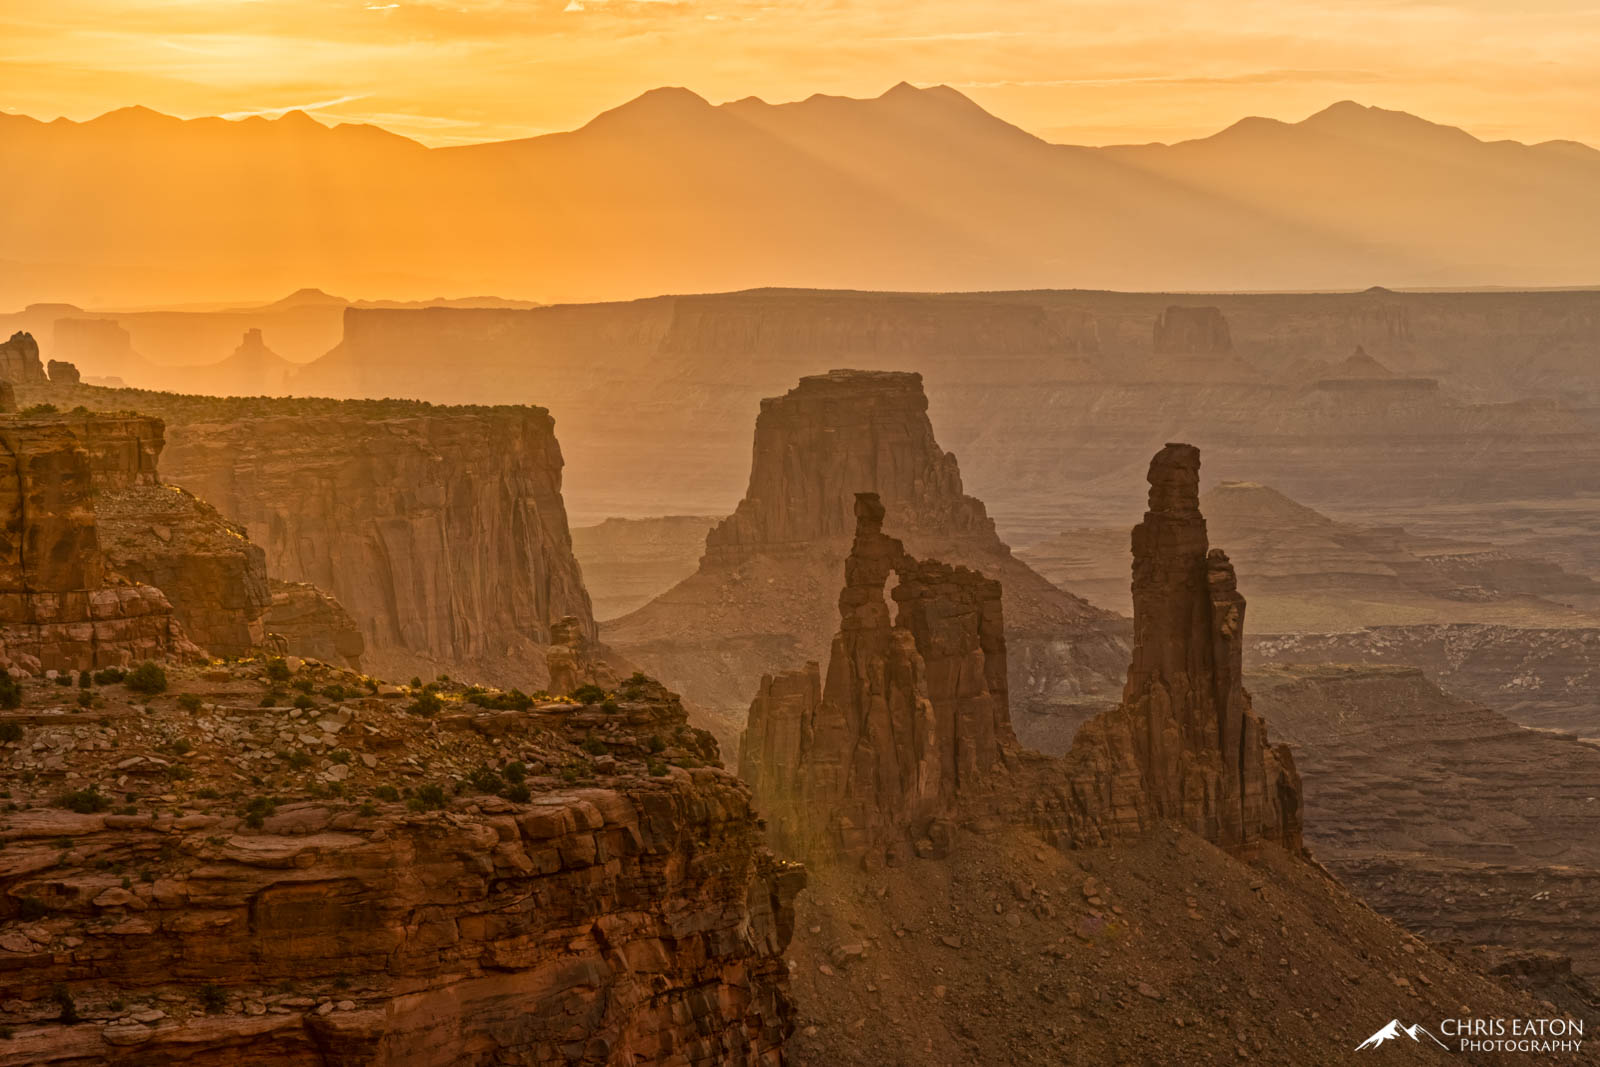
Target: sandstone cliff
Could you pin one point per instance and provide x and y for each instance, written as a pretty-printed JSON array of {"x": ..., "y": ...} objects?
[
  {"x": 912, "y": 733},
  {"x": 759, "y": 602},
  {"x": 1191, "y": 331},
  {"x": 441, "y": 531},
  {"x": 19, "y": 359},
  {"x": 61, "y": 606},
  {"x": 557, "y": 885}
]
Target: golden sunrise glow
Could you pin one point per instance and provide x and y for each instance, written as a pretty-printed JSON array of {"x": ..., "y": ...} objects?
[{"x": 1094, "y": 73}]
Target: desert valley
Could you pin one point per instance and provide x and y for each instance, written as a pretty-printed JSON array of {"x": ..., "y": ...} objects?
[{"x": 886, "y": 588}]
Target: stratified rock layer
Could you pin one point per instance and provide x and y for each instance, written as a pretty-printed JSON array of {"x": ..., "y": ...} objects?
[
  {"x": 912, "y": 730},
  {"x": 441, "y": 531},
  {"x": 61, "y": 607},
  {"x": 1191, "y": 331}
]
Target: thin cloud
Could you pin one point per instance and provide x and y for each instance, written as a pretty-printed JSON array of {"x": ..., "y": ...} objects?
[
  {"x": 1253, "y": 77},
  {"x": 279, "y": 112}
]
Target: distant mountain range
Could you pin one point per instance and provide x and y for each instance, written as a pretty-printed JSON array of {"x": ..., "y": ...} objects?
[{"x": 915, "y": 189}]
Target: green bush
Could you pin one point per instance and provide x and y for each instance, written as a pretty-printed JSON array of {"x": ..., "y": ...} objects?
[
  {"x": 657, "y": 744},
  {"x": 38, "y": 409},
  {"x": 84, "y": 801},
  {"x": 10, "y": 691},
  {"x": 656, "y": 767},
  {"x": 487, "y": 780},
  {"x": 148, "y": 678},
  {"x": 516, "y": 773},
  {"x": 213, "y": 998},
  {"x": 255, "y": 813},
  {"x": 594, "y": 746},
  {"x": 340, "y": 755},
  {"x": 427, "y": 704},
  {"x": 85, "y": 680},
  {"x": 303, "y": 702},
  {"x": 109, "y": 676},
  {"x": 386, "y": 792},
  {"x": 190, "y": 702},
  {"x": 588, "y": 694},
  {"x": 277, "y": 669},
  {"x": 63, "y": 679},
  {"x": 335, "y": 692},
  {"x": 60, "y": 994},
  {"x": 10, "y": 731},
  {"x": 429, "y": 798},
  {"x": 517, "y": 793}
]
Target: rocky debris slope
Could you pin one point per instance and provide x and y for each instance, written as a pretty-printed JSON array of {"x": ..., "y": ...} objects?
[
  {"x": 19, "y": 359},
  {"x": 758, "y": 603},
  {"x": 911, "y": 732},
  {"x": 1163, "y": 950},
  {"x": 1444, "y": 815},
  {"x": 628, "y": 562},
  {"x": 221, "y": 874},
  {"x": 311, "y": 623},
  {"x": 61, "y": 605},
  {"x": 441, "y": 530}
]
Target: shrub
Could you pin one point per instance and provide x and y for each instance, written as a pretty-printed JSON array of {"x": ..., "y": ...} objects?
[
  {"x": 657, "y": 744},
  {"x": 10, "y": 731},
  {"x": 147, "y": 677},
  {"x": 304, "y": 685},
  {"x": 368, "y": 809},
  {"x": 340, "y": 755},
  {"x": 487, "y": 780},
  {"x": 656, "y": 767},
  {"x": 416, "y": 681},
  {"x": 86, "y": 699},
  {"x": 63, "y": 679},
  {"x": 427, "y": 704},
  {"x": 588, "y": 694},
  {"x": 179, "y": 746},
  {"x": 386, "y": 792},
  {"x": 303, "y": 702},
  {"x": 85, "y": 680},
  {"x": 517, "y": 793},
  {"x": 213, "y": 998},
  {"x": 594, "y": 746},
  {"x": 335, "y": 692},
  {"x": 190, "y": 702},
  {"x": 10, "y": 691},
  {"x": 516, "y": 773},
  {"x": 109, "y": 676},
  {"x": 255, "y": 813},
  {"x": 63, "y": 997},
  {"x": 38, "y": 409},
  {"x": 299, "y": 760},
  {"x": 570, "y": 774},
  {"x": 84, "y": 801},
  {"x": 429, "y": 798},
  {"x": 277, "y": 669}
]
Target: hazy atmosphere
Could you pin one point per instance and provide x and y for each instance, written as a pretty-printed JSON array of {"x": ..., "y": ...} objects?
[{"x": 698, "y": 533}]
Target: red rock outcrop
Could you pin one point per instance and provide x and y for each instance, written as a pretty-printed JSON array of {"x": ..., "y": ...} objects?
[
  {"x": 759, "y": 602},
  {"x": 19, "y": 359},
  {"x": 624, "y": 912},
  {"x": 61, "y": 606},
  {"x": 310, "y": 623},
  {"x": 63, "y": 373},
  {"x": 574, "y": 660},
  {"x": 912, "y": 730},
  {"x": 913, "y": 714},
  {"x": 1184, "y": 744}
]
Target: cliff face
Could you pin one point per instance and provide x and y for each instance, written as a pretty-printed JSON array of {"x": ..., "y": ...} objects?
[
  {"x": 1191, "y": 331},
  {"x": 442, "y": 532},
  {"x": 61, "y": 607},
  {"x": 912, "y": 730},
  {"x": 759, "y": 604},
  {"x": 19, "y": 359},
  {"x": 613, "y": 909},
  {"x": 913, "y": 713}
]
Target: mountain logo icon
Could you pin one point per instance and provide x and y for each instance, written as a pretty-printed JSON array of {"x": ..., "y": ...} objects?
[{"x": 1393, "y": 1030}]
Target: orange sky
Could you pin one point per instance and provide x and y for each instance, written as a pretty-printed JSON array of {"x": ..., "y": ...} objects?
[{"x": 448, "y": 71}]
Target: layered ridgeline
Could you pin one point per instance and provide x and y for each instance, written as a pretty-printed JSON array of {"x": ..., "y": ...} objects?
[
  {"x": 760, "y": 599},
  {"x": 912, "y": 733},
  {"x": 441, "y": 531},
  {"x": 916, "y": 188}
]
